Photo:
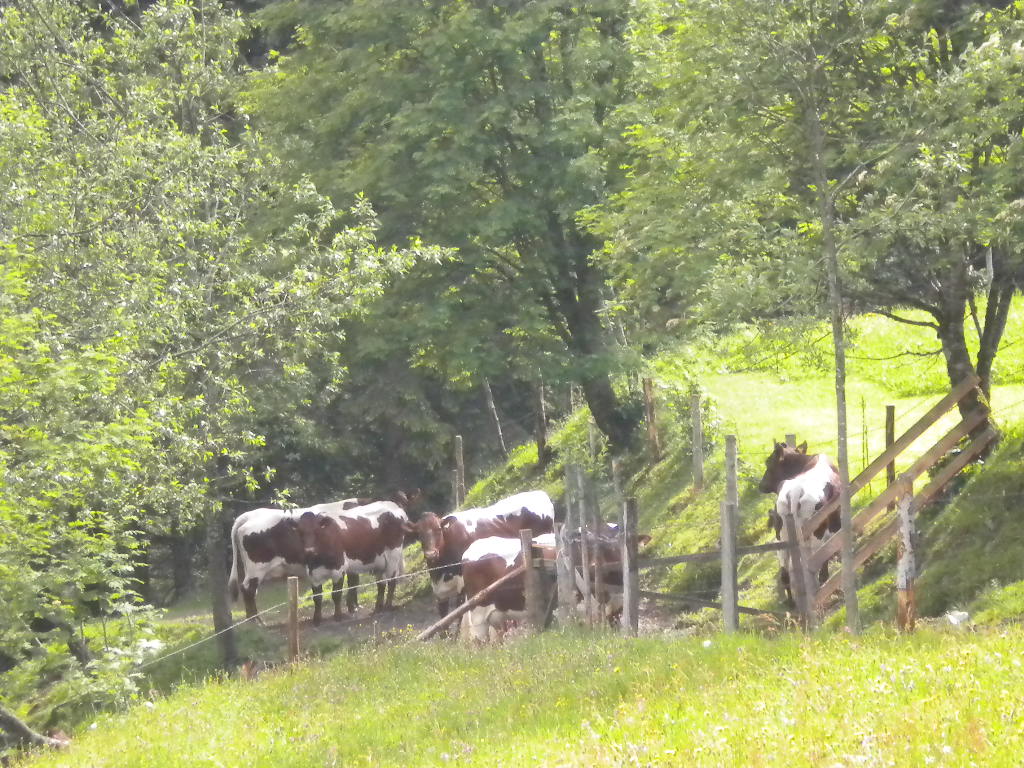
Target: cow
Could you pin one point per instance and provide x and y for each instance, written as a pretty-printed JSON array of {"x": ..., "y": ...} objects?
[
  {"x": 445, "y": 539},
  {"x": 267, "y": 543},
  {"x": 488, "y": 559},
  {"x": 803, "y": 484},
  {"x": 367, "y": 538}
]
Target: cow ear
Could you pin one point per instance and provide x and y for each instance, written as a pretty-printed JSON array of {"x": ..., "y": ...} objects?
[
  {"x": 325, "y": 521},
  {"x": 446, "y": 523},
  {"x": 802, "y": 447},
  {"x": 292, "y": 522},
  {"x": 408, "y": 527}
]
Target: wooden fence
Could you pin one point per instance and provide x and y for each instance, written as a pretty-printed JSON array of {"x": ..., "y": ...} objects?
[{"x": 575, "y": 563}]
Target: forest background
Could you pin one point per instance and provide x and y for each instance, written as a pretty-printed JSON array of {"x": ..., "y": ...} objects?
[{"x": 264, "y": 253}]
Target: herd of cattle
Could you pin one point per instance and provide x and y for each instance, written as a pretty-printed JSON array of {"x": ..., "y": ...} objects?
[{"x": 466, "y": 550}]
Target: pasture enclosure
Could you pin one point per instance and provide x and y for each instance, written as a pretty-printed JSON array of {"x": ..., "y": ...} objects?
[{"x": 579, "y": 561}]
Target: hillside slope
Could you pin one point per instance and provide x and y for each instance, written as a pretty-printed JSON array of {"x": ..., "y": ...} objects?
[{"x": 759, "y": 389}]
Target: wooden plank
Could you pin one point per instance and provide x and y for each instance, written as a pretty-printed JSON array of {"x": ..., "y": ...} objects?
[
  {"x": 885, "y": 534},
  {"x": 891, "y": 493},
  {"x": 630, "y": 574},
  {"x": 563, "y": 571},
  {"x": 293, "y": 618},
  {"x": 711, "y": 555},
  {"x": 649, "y": 416},
  {"x": 730, "y": 596},
  {"x": 908, "y": 437},
  {"x": 795, "y": 570},
  {"x": 472, "y": 602},
  {"x": 732, "y": 494},
  {"x": 532, "y": 591},
  {"x": 460, "y": 468}
]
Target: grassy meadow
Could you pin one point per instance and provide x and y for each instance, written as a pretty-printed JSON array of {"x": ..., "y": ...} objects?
[
  {"x": 687, "y": 696},
  {"x": 568, "y": 699}
]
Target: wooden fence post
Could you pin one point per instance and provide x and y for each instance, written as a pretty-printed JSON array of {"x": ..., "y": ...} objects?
[
  {"x": 594, "y": 523},
  {"x": 906, "y": 569},
  {"x": 460, "y": 468},
  {"x": 532, "y": 589},
  {"x": 729, "y": 516},
  {"x": 890, "y": 438},
  {"x": 630, "y": 570},
  {"x": 563, "y": 572},
  {"x": 652, "y": 427},
  {"x": 791, "y": 441},
  {"x": 293, "y": 618},
  {"x": 730, "y": 596},
  {"x": 585, "y": 545},
  {"x": 697, "y": 440},
  {"x": 455, "y": 489},
  {"x": 802, "y": 588}
]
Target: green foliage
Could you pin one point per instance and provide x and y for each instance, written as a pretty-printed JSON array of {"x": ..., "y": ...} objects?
[
  {"x": 975, "y": 545},
  {"x": 146, "y": 332}
]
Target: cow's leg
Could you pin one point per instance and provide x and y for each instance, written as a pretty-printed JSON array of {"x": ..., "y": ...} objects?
[
  {"x": 823, "y": 573},
  {"x": 379, "y": 605},
  {"x": 248, "y": 591},
  {"x": 318, "y": 603},
  {"x": 784, "y": 584},
  {"x": 389, "y": 601},
  {"x": 442, "y": 608},
  {"x": 352, "y": 592},
  {"x": 336, "y": 592}
]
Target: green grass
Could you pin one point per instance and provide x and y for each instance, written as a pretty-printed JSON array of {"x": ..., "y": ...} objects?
[{"x": 569, "y": 699}]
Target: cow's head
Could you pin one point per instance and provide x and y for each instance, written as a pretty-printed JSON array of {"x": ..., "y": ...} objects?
[
  {"x": 407, "y": 500},
  {"x": 313, "y": 529},
  {"x": 431, "y": 537},
  {"x": 782, "y": 464}
]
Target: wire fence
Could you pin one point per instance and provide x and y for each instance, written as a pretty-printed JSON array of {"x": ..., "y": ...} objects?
[{"x": 910, "y": 409}]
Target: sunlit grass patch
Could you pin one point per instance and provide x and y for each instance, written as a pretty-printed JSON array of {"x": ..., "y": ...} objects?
[{"x": 601, "y": 700}]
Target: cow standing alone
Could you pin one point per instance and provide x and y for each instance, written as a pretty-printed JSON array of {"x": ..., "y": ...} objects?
[{"x": 803, "y": 484}]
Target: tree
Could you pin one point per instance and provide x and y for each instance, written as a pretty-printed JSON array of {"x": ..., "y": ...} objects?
[
  {"x": 479, "y": 127},
  {"x": 147, "y": 332}
]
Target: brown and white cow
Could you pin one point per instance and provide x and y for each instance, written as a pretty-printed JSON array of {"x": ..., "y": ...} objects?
[
  {"x": 488, "y": 559},
  {"x": 446, "y": 539},
  {"x": 268, "y": 543},
  {"x": 803, "y": 484},
  {"x": 368, "y": 538}
]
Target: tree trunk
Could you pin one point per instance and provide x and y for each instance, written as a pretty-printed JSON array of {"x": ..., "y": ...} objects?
[
  {"x": 578, "y": 300},
  {"x": 827, "y": 212},
  {"x": 182, "y": 550},
  {"x": 1000, "y": 294},
  {"x": 22, "y": 734},
  {"x": 493, "y": 410},
  {"x": 952, "y": 336},
  {"x": 217, "y": 560}
]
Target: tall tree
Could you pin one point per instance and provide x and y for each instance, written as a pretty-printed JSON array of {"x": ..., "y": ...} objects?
[
  {"x": 147, "y": 334},
  {"x": 478, "y": 126}
]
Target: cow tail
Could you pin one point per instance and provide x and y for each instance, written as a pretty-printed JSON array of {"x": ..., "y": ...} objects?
[{"x": 237, "y": 563}]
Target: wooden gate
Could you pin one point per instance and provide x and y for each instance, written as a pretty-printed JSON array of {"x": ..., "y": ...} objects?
[{"x": 808, "y": 558}]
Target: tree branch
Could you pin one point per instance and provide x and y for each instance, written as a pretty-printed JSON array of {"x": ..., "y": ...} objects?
[
  {"x": 906, "y": 320},
  {"x": 16, "y": 727}
]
